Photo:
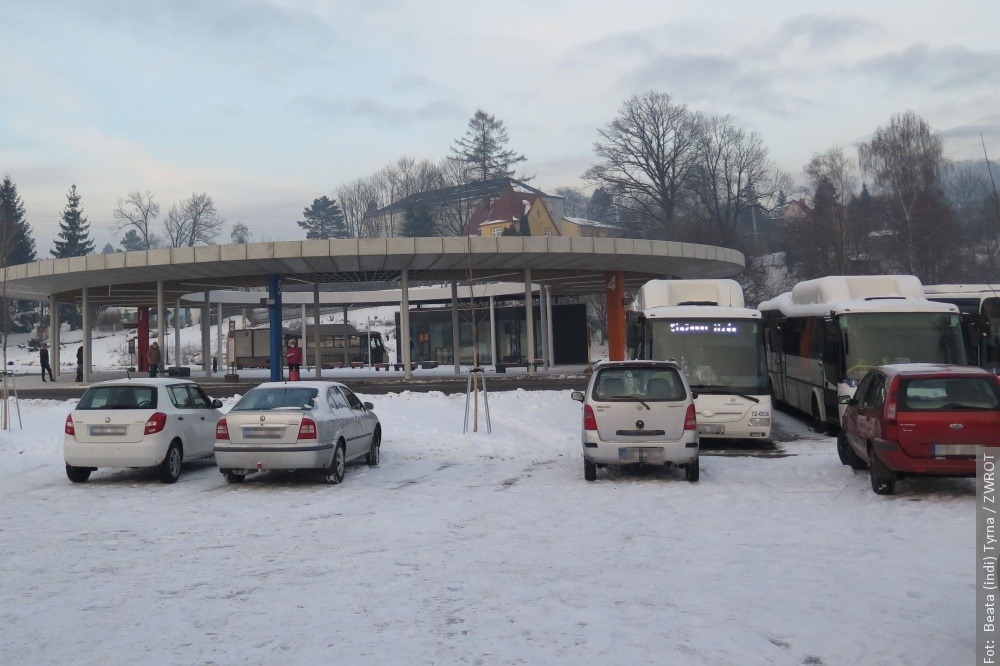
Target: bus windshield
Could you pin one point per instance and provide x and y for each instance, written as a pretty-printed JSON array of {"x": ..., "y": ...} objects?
[
  {"x": 716, "y": 355},
  {"x": 879, "y": 338}
]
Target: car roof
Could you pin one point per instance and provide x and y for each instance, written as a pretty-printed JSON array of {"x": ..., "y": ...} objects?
[
  {"x": 147, "y": 381},
  {"x": 926, "y": 369},
  {"x": 316, "y": 384},
  {"x": 602, "y": 365}
]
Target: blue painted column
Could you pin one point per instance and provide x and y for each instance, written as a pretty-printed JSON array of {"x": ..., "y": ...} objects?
[{"x": 274, "y": 320}]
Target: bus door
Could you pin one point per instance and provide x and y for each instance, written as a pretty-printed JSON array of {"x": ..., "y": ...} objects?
[{"x": 832, "y": 357}]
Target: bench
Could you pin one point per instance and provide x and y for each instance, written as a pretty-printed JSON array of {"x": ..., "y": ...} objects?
[{"x": 502, "y": 367}]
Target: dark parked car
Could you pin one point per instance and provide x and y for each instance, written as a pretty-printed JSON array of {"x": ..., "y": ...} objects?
[{"x": 920, "y": 418}]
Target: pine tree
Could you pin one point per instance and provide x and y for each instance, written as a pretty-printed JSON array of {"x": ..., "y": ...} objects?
[
  {"x": 16, "y": 243},
  {"x": 74, "y": 230},
  {"x": 323, "y": 220},
  {"x": 418, "y": 223},
  {"x": 484, "y": 148},
  {"x": 132, "y": 241},
  {"x": 16, "y": 247},
  {"x": 524, "y": 227}
]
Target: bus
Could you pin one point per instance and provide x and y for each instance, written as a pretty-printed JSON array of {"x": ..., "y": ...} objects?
[
  {"x": 980, "y": 308},
  {"x": 825, "y": 334},
  {"x": 704, "y": 326},
  {"x": 339, "y": 346}
]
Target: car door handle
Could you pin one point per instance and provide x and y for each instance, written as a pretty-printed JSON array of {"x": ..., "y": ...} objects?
[
  {"x": 203, "y": 418},
  {"x": 180, "y": 418}
]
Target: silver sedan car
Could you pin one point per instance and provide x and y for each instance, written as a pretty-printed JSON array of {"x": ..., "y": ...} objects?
[{"x": 313, "y": 425}]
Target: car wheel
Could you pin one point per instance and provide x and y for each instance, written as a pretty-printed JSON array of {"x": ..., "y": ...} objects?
[
  {"x": 373, "y": 450},
  {"x": 335, "y": 472},
  {"x": 847, "y": 454},
  {"x": 233, "y": 477},
  {"x": 692, "y": 471},
  {"x": 883, "y": 479},
  {"x": 589, "y": 470},
  {"x": 170, "y": 469},
  {"x": 77, "y": 474}
]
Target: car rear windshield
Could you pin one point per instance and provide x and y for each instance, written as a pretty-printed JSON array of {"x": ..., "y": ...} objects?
[
  {"x": 118, "y": 397},
  {"x": 949, "y": 394},
  {"x": 652, "y": 384},
  {"x": 266, "y": 399}
]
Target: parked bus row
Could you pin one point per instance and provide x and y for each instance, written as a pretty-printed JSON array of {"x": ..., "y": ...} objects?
[{"x": 807, "y": 348}]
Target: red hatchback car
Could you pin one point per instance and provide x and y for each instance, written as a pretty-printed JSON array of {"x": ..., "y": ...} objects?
[{"x": 920, "y": 418}]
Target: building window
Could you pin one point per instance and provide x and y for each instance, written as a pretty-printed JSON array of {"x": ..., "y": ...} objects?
[
  {"x": 548, "y": 232},
  {"x": 497, "y": 231}
]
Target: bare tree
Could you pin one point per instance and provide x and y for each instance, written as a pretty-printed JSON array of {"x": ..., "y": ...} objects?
[
  {"x": 645, "y": 156},
  {"x": 905, "y": 161},
  {"x": 192, "y": 221},
  {"x": 358, "y": 200},
  {"x": 240, "y": 234},
  {"x": 138, "y": 211},
  {"x": 452, "y": 216},
  {"x": 733, "y": 175},
  {"x": 837, "y": 230},
  {"x": 574, "y": 201}
]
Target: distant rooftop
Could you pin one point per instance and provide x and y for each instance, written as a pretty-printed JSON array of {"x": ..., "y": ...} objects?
[{"x": 469, "y": 191}]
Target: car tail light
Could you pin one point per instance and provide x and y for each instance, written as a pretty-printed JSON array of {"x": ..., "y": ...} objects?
[
  {"x": 891, "y": 406},
  {"x": 155, "y": 423},
  {"x": 690, "y": 420},
  {"x": 222, "y": 430},
  {"x": 307, "y": 429},
  {"x": 70, "y": 430},
  {"x": 890, "y": 401},
  {"x": 589, "y": 420}
]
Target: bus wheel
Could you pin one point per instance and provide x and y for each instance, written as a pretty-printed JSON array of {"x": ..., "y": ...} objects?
[{"x": 818, "y": 424}]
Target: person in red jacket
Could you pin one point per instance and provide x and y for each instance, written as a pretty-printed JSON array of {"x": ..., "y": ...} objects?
[{"x": 293, "y": 359}]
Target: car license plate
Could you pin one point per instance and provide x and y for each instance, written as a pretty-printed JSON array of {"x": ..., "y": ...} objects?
[
  {"x": 263, "y": 433},
  {"x": 647, "y": 454},
  {"x": 956, "y": 449},
  {"x": 711, "y": 429},
  {"x": 104, "y": 430}
]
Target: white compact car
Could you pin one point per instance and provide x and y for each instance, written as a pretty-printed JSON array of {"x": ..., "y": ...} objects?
[
  {"x": 639, "y": 412},
  {"x": 140, "y": 423},
  {"x": 297, "y": 426}
]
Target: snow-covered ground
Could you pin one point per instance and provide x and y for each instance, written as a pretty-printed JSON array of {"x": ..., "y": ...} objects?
[{"x": 483, "y": 549}]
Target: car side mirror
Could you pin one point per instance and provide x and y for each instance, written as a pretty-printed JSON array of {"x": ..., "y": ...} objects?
[
  {"x": 369, "y": 406},
  {"x": 846, "y": 400},
  {"x": 577, "y": 395},
  {"x": 694, "y": 395},
  {"x": 217, "y": 403}
]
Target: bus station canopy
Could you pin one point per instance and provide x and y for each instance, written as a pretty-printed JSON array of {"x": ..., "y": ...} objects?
[{"x": 569, "y": 266}]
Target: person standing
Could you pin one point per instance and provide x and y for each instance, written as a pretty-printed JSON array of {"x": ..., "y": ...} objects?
[
  {"x": 293, "y": 359},
  {"x": 153, "y": 358},
  {"x": 79, "y": 363},
  {"x": 43, "y": 357}
]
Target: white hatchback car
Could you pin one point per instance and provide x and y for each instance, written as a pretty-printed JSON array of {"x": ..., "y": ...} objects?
[
  {"x": 639, "y": 412},
  {"x": 157, "y": 423},
  {"x": 297, "y": 426}
]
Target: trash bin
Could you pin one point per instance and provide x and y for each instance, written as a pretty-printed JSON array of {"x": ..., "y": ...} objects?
[{"x": 293, "y": 375}]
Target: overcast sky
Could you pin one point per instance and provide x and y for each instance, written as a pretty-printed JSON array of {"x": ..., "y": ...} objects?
[{"x": 266, "y": 105}]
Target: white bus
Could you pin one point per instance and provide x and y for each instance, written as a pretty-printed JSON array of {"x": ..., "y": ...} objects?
[
  {"x": 704, "y": 326},
  {"x": 825, "y": 334},
  {"x": 980, "y": 308}
]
